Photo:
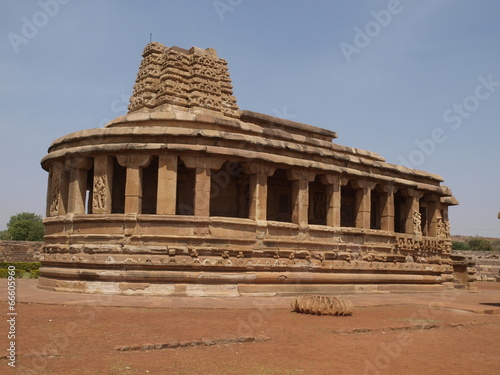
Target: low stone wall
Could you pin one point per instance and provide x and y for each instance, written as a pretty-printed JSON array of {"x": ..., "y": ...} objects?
[
  {"x": 487, "y": 263},
  {"x": 20, "y": 251}
]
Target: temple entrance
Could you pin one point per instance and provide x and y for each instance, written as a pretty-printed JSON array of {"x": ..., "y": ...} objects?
[
  {"x": 150, "y": 187},
  {"x": 89, "y": 192},
  {"x": 118, "y": 188},
  {"x": 279, "y": 197},
  {"x": 348, "y": 206},
  {"x": 229, "y": 191},
  {"x": 185, "y": 189},
  {"x": 399, "y": 217},
  {"x": 317, "y": 202},
  {"x": 423, "y": 217},
  {"x": 375, "y": 211}
]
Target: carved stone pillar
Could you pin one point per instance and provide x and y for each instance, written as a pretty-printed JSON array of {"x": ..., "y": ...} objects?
[
  {"x": 167, "y": 184},
  {"x": 103, "y": 181},
  {"x": 300, "y": 195},
  {"x": 433, "y": 208},
  {"x": 50, "y": 190},
  {"x": 333, "y": 183},
  {"x": 78, "y": 167},
  {"x": 413, "y": 219},
  {"x": 446, "y": 220},
  {"x": 203, "y": 166},
  {"x": 259, "y": 172},
  {"x": 202, "y": 192},
  {"x": 57, "y": 192},
  {"x": 387, "y": 206},
  {"x": 133, "y": 185},
  {"x": 363, "y": 202}
]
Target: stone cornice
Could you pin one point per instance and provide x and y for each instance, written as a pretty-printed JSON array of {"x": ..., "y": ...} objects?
[
  {"x": 110, "y": 136},
  {"x": 242, "y": 155}
]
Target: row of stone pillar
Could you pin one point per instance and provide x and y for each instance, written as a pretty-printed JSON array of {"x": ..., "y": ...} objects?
[{"x": 101, "y": 197}]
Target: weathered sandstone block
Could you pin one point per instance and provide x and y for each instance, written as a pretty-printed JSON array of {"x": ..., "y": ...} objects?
[{"x": 322, "y": 305}]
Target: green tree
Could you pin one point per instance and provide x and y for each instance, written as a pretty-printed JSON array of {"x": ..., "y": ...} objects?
[
  {"x": 458, "y": 245},
  {"x": 25, "y": 226},
  {"x": 4, "y": 235},
  {"x": 496, "y": 245},
  {"x": 480, "y": 244}
]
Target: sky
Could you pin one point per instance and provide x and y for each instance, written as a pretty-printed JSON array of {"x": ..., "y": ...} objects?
[{"x": 416, "y": 81}]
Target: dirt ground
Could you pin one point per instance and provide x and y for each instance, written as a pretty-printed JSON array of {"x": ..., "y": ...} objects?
[{"x": 401, "y": 339}]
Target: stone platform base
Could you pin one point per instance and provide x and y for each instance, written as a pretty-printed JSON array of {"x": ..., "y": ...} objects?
[{"x": 229, "y": 290}]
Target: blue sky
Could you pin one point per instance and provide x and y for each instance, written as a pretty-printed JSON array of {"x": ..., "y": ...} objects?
[{"x": 416, "y": 81}]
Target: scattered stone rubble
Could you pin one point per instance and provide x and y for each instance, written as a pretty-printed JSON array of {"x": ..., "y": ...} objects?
[{"x": 193, "y": 343}]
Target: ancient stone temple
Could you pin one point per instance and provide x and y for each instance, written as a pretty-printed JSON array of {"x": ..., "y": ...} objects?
[{"x": 189, "y": 195}]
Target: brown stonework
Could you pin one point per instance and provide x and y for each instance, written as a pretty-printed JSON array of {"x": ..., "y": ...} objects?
[
  {"x": 167, "y": 184},
  {"x": 387, "y": 204},
  {"x": 188, "y": 195},
  {"x": 194, "y": 78},
  {"x": 103, "y": 184},
  {"x": 20, "y": 251}
]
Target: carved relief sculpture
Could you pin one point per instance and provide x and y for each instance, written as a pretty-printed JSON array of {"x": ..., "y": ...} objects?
[
  {"x": 417, "y": 222},
  {"x": 440, "y": 227},
  {"x": 447, "y": 229},
  {"x": 55, "y": 195},
  {"x": 99, "y": 199}
]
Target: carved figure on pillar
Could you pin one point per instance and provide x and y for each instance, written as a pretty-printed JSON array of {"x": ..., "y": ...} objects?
[
  {"x": 55, "y": 195},
  {"x": 440, "y": 227},
  {"x": 100, "y": 192},
  {"x": 447, "y": 228},
  {"x": 417, "y": 222}
]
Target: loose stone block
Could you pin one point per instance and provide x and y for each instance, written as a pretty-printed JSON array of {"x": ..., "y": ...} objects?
[{"x": 322, "y": 305}]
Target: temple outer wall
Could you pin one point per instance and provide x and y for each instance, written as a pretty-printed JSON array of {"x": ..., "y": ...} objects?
[
  {"x": 20, "y": 251},
  {"x": 278, "y": 259},
  {"x": 94, "y": 249}
]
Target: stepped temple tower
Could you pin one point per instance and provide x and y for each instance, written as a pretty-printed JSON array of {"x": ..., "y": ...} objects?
[{"x": 189, "y": 195}]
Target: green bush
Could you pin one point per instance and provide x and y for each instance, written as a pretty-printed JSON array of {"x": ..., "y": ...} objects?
[
  {"x": 479, "y": 244},
  {"x": 4, "y": 273},
  {"x": 34, "y": 274},
  {"x": 496, "y": 245},
  {"x": 26, "y": 270},
  {"x": 457, "y": 245},
  {"x": 24, "y": 266},
  {"x": 5, "y": 236}
]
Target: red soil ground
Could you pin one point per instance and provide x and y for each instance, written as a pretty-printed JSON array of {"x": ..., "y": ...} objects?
[{"x": 401, "y": 339}]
